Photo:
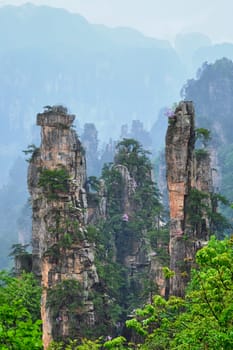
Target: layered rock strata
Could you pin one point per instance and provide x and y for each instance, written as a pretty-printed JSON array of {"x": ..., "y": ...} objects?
[{"x": 62, "y": 256}]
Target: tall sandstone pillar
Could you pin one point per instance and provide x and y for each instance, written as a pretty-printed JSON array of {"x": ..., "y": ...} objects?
[
  {"x": 185, "y": 174},
  {"x": 62, "y": 256}
]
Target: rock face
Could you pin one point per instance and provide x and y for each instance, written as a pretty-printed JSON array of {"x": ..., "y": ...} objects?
[
  {"x": 138, "y": 204},
  {"x": 131, "y": 250},
  {"x": 139, "y": 258},
  {"x": 62, "y": 256},
  {"x": 189, "y": 184}
]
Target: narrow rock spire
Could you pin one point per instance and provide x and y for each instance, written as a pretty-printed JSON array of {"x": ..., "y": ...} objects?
[
  {"x": 188, "y": 178},
  {"x": 62, "y": 256}
]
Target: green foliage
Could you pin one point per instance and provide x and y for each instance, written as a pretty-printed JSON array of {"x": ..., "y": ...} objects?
[
  {"x": 145, "y": 198},
  {"x": 83, "y": 344},
  {"x": 197, "y": 206},
  {"x": 32, "y": 151},
  {"x": 59, "y": 109},
  {"x": 219, "y": 223},
  {"x": 54, "y": 181},
  {"x": 121, "y": 288},
  {"x": 92, "y": 233},
  {"x": 114, "y": 184},
  {"x": 67, "y": 293},
  {"x": 219, "y": 198},
  {"x": 203, "y": 135},
  {"x": 209, "y": 297},
  {"x": 66, "y": 298},
  {"x": 65, "y": 231},
  {"x": 131, "y": 154},
  {"x": 167, "y": 272},
  {"x": 107, "y": 298},
  {"x": 25, "y": 288},
  {"x": 115, "y": 344},
  {"x": 202, "y": 138},
  {"x": 93, "y": 187},
  {"x": 159, "y": 240},
  {"x": 201, "y": 204},
  {"x": 211, "y": 93},
  {"x": 20, "y": 327},
  {"x": 19, "y": 249},
  {"x": 201, "y": 153},
  {"x": 22, "y": 258},
  {"x": 203, "y": 319}
]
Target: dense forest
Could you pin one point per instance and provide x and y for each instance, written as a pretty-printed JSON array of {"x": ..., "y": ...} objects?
[
  {"x": 88, "y": 253},
  {"x": 107, "y": 75},
  {"x": 132, "y": 312},
  {"x": 201, "y": 320}
]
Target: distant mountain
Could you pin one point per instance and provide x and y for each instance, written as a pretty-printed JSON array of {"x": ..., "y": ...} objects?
[
  {"x": 186, "y": 44},
  {"x": 212, "y": 93},
  {"x": 107, "y": 76},
  {"x": 211, "y": 52},
  {"x": 46, "y": 27}
]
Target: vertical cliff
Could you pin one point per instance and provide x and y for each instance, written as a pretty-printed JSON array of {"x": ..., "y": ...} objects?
[
  {"x": 131, "y": 244},
  {"x": 133, "y": 211},
  {"x": 134, "y": 249},
  {"x": 189, "y": 184},
  {"x": 62, "y": 256},
  {"x": 138, "y": 244}
]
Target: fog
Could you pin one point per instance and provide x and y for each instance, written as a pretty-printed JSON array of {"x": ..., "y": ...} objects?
[{"x": 157, "y": 18}]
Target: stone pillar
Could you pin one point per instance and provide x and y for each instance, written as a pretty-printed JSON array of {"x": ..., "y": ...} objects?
[
  {"x": 188, "y": 175},
  {"x": 180, "y": 141},
  {"x": 62, "y": 256}
]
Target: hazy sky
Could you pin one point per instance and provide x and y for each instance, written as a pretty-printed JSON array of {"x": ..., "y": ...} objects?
[{"x": 157, "y": 18}]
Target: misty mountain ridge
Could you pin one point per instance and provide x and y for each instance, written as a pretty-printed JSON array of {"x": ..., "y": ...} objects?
[
  {"x": 53, "y": 26},
  {"x": 108, "y": 76}
]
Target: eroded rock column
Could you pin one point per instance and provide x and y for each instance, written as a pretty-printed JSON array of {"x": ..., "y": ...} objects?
[
  {"x": 62, "y": 256},
  {"x": 180, "y": 141},
  {"x": 190, "y": 185}
]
